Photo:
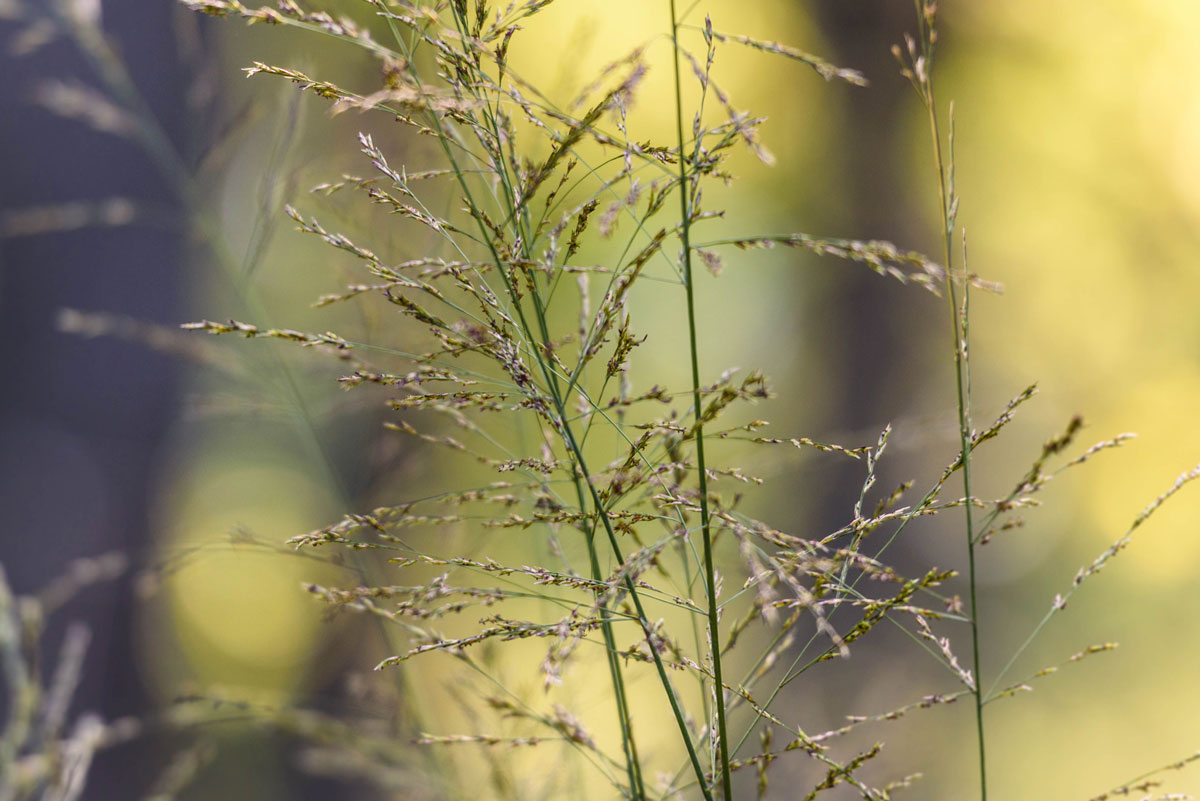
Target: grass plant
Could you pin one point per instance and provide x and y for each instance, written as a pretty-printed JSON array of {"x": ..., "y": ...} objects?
[{"x": 626, "y": 544}]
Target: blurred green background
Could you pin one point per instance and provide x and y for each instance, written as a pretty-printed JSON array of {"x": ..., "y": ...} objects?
[{"x": 1078, "y": 164}]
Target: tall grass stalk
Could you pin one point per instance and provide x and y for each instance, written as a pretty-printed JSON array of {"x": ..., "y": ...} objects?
[
  {"x": 710, "y": 577},
  {"x": 921, "y": 76}
]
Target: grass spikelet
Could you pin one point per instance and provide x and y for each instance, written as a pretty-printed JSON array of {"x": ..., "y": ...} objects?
[{"x": 823, "y": 68}]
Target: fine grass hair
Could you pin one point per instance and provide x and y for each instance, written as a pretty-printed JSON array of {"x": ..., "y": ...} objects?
[{"x": 583, "y": 535}]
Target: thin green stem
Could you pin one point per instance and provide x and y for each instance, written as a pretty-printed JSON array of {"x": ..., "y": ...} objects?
[
  {"x": 685, "y": 216},
  {"x": 961, "y": 363}
]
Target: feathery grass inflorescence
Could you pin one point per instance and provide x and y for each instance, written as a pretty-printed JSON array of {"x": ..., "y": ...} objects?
[
  {"x": 44, "y": 753},
  {"x": 543, "y": 220},
  {"x": 531, "y": 177},
  {"x": 486, "y": 308}
]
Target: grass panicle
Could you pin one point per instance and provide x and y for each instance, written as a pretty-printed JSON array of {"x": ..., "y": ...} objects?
[{"x": 584, "y": 533}]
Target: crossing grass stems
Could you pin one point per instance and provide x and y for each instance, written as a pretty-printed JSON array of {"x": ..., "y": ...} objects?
[{"x": 634, "y": 544}]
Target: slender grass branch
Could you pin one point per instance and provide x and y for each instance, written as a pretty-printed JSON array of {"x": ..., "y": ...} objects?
[
  {"x": 685, "y": 217},
  {"x": 960, "y": 325}
]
